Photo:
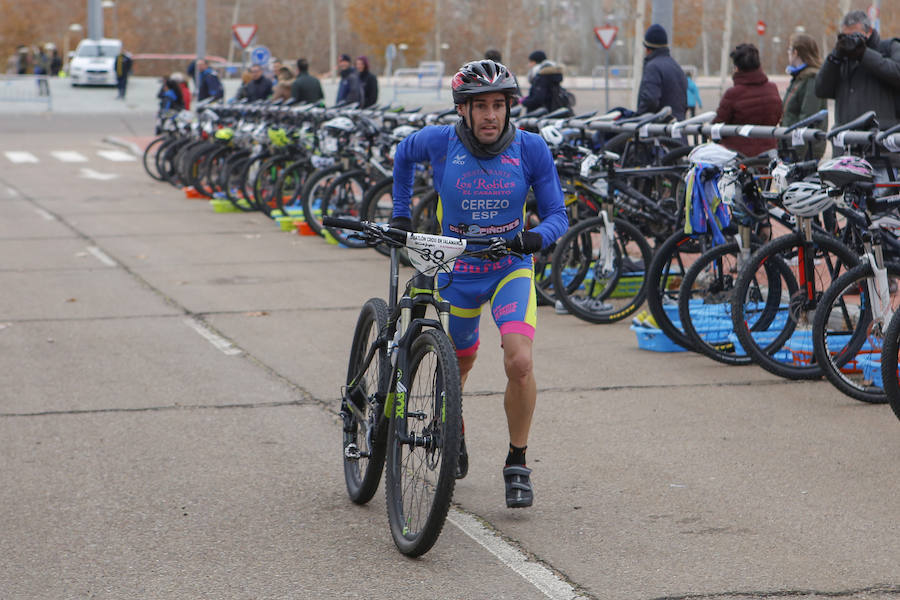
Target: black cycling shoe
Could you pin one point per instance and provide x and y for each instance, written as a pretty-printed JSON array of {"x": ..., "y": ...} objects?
[
  {"x": 519, "y": 492},
  {"x": 462, "y": 464}
]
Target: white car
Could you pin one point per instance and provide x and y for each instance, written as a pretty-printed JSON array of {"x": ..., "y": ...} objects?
[{"x": 94, "y": 62}]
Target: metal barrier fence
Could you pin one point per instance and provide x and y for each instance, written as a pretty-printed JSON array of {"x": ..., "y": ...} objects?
[
  {"x": 427, "y": 76},
  {"x": 26, "y": 88}
]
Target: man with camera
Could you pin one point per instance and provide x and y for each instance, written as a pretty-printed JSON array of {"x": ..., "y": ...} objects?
[{"x": 862, "y": 73}]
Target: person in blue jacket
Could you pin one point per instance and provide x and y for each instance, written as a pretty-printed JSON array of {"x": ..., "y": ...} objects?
[
  {"x": 483, "y": 169},
  {"x": 693, "y": 96}
]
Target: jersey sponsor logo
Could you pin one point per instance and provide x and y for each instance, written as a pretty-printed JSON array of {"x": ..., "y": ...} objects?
[
  {"x": 463, "y": 267},
  {"x": 505, "y": 309},
  {"x": 509, "y": 160},
  {"x": 460, "y": 159},
  {"x": 474, "y": 229}
]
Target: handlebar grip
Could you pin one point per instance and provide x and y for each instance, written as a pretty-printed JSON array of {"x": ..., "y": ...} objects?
[{"x": 340, "y": 223}]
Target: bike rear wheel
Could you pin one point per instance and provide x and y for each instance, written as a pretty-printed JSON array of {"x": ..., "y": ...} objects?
[
  {"x": 364, "y": 427},
  {"x": 780, "y": 339},
  {"x": 844, "y": 340},
  {"x": 601, "y": 280},
  {"x": 889, "y": 377},
  {"x": 423, "y": 443}
]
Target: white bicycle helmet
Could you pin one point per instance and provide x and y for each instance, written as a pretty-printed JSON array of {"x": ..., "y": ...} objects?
[
  {"x": 711, "y": 154},
  {"x": 806, "y": 199},
  {"x": 551, "y": 135}
]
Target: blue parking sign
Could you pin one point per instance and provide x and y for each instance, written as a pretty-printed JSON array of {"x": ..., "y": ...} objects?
[{"x": 260, "y": 55}]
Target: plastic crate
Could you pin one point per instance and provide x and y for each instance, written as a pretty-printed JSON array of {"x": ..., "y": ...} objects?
[
  {"x": 653, "y": 339},
  {"x": 870, "y": 366}
]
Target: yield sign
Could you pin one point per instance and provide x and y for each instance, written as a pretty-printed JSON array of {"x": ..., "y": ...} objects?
[
  {"x": 244, "y": 34},
  {"x": 606, "y": 35}
]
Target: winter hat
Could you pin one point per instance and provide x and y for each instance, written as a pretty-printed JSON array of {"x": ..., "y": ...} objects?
[
  {"x": 656, "y": 37},
  {"x": 345, "y": 58},
  {"x": 537, "y": 56}
]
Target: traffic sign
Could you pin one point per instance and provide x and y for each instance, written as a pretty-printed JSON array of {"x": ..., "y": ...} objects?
[
  {"x": 606, "y": 35},
  {"x": 244, "y": 34},
  {"x": 260, "y": 55},
  {"x": 761, "y": 27}
]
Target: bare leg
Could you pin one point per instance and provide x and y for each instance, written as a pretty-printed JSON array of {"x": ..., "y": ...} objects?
[{"x": 521, "y": 389}]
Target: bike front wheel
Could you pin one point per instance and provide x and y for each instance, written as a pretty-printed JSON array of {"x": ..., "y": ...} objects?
[
  {"x": 423, "y": 443},
  {"x": 362, "y": 407}
]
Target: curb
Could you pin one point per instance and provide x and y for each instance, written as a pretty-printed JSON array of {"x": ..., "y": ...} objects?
[{"x": 130, "y": 146}]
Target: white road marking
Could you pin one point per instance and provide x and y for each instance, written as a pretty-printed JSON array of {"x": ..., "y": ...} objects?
[
  {"x": 116, "y": 155},
  {"x": 101, "y": 256},
  {"x": 534, "y": 573},
  {"x": 11, "y": 192},
  {"x": 21, "y": 157},
  {"x": 213, "y": 338},
  {"x": 92, "y": 174},
  {"x": 44, "y": 214},
  {"x": 69, "y": 156}
]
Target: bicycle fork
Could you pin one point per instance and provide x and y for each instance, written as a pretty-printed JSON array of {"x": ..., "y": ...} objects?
[{"x": 878, "y": 285}]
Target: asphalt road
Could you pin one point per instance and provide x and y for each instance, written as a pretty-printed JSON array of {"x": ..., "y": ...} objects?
[{"x": 168, "y": 398}]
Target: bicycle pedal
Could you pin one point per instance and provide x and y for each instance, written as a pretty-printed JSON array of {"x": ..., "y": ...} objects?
[{"x": 351, "y": 452}]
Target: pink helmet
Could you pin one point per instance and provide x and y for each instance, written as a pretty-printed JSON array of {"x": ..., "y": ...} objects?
[
  {"x": 844, "y": 170},
  {"x": 481, "y": 77}
]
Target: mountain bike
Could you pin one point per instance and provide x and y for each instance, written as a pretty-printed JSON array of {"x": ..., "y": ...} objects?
[{"x": 401, "y": 405}]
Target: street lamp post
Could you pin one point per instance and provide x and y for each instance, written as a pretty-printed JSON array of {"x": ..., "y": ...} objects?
[
  {"x": 776, "y": 43},
  {"x": 73, "y": 28},
  {"x": 112, "y": 4}
]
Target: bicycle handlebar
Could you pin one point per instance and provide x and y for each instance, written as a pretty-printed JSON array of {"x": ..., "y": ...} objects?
[
  {"x": 863, "y": 120},
  {"x": 814, "y": 118}
]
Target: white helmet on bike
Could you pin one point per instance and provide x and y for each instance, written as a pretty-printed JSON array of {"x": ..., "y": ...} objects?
[{"x": 806, "y": 199}]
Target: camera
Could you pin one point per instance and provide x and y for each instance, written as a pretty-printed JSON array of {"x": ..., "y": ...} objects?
[{"x": 849, "y": 42}]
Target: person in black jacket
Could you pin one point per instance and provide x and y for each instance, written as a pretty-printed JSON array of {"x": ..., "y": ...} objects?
[
  {"x": 664, "y": 82},
  {"x": 861, "y": 73},
  {"x": 367, "y": 81},
  {"x": 545, "y": 77},
  {"x": 349, "y": 89},
  {"x": 259, "y": 87},
  {"x": 306, "y": 88}
]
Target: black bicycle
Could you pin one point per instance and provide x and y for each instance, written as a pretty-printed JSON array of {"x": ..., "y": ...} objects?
[{"x": 402, "y": 402}]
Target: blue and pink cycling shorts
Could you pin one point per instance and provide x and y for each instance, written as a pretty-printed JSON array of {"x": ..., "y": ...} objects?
[{"x": 508, "y": 285}]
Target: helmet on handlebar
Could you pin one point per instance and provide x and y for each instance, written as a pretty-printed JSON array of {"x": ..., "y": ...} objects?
[
  {"x": 806, "y": 199},
  {"x": 482, "y": 77},
  {"x": 844, "y": 170}
]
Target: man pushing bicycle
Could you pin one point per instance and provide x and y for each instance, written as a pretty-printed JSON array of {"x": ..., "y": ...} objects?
[{"x": 483, "y": 169}]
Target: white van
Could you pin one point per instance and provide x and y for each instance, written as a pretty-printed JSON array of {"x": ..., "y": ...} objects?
[{"x": 94, "y": 62}]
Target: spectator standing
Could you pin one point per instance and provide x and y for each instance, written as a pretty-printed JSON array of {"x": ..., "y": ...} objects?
[
  {"x": 367, "y": 81},
  {"x": 210, "y": 86},
  {"x": 663, "y": 82},
  {"x": 122, "y": 68},
  {"x": 170, "y": 96},
  {"x": 800, "y": 100},
  {"x": 259, "y": 87},
  {"x": 349, "y": 89},
  {"x": 241, "y": 93},
  {"x": 22, "y": 60},
  {"x": 752, "y": 100},
  {"x": 493, "y": 54},
  {"x": 282, "y": 89},
  {"x": 306, "y": 88},
  {"x": 55, "y": 62},
  {"x": 861, "y": 73},
  {"x": 42, "y": 68},
  {"x": 179, "y": 79},
  {"x": 545, "y": 77},
  {"x": 693, "y": 96}
]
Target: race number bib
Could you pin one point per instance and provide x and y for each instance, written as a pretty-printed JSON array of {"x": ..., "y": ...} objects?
[{"x": 432, "y": 254}]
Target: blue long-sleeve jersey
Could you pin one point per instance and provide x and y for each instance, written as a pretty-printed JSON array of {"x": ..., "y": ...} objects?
[{"x": 483, "y": 197}]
